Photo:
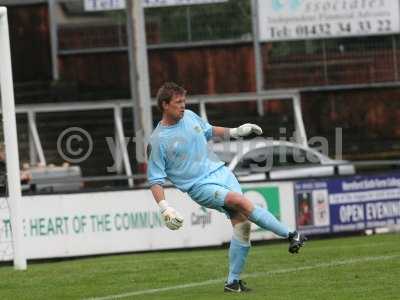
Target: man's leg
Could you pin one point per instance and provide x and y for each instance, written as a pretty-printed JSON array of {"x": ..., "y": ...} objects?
[
  {"x": 238, "y": 251},
  {"x": 256, "y": 214},
  {"x": 264, "y": 219},
  {"x": 212, "y": 195}
]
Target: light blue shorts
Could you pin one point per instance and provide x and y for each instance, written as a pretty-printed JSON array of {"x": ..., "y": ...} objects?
[{"x": 211, "y": 191}]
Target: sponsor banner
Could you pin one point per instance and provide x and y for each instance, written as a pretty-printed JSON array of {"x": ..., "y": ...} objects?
[
  {"x": 348, "y": 204},
  {"x": 365, "y": 202},
  {"x": 126, "y": 221},
  {"x": 310, "y": 19},
  {"x": 277, "y": 198},
  {"x": 104, "y": 5},
  {"x": 6, "y": 250},
  {"x": 110, "y": 222},
  {"x": 312, "y": 207}
]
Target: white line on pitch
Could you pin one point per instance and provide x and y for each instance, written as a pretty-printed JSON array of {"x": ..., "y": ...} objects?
[{"x": 258, "y": 274}]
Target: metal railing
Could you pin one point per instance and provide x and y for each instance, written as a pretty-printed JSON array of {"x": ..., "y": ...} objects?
[{"x": 38, "y": 155}]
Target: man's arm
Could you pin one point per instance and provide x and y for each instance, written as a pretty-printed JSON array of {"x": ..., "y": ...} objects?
[
  {"x": 221, "y": 132},
  {"x": 173, "y": 219},
  {"x": 158, "y": 193},
  {"x": 156, "y": 176},
  {"x": 241, "y": 131}
]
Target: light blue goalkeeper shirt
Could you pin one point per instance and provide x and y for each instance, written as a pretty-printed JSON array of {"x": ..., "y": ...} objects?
[{"x": 180, "y": 153}]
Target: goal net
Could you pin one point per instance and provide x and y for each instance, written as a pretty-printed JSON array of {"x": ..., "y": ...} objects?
[{"x": 11, "y": 241}]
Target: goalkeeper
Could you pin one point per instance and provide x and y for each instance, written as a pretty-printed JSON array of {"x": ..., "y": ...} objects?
[{"x": 178, "y": 151}]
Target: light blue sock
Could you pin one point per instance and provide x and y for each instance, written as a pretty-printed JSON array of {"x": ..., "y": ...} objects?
[
  {"x": 263, "y": 218},
  {"x": 237, "y": 257}
]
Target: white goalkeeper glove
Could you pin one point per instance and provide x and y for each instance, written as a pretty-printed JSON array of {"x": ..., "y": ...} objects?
[
  {"x": 173, "y": 219},
  {"x": 245, "y": 130}
]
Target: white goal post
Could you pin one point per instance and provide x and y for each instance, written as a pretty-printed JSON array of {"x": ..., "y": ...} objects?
[{"x": 11, "y": 143}]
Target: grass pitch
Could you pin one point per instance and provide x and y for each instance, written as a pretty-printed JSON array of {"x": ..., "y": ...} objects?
[{"x": 365, "y": 267}]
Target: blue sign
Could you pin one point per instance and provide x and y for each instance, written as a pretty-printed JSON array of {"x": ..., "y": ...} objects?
[
  {"x": 348, "y": 204},
  {"x": 364, "y": 202}
]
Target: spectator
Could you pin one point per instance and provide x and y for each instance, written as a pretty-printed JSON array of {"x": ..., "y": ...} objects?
[{"x": 24, "y": 174}]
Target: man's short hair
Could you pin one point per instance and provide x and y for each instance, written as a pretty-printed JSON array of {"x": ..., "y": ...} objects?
[{"x": 167, "y": 91}]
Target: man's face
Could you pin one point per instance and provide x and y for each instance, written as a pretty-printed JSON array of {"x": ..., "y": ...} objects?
[{"x": 175, "y": 109}]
